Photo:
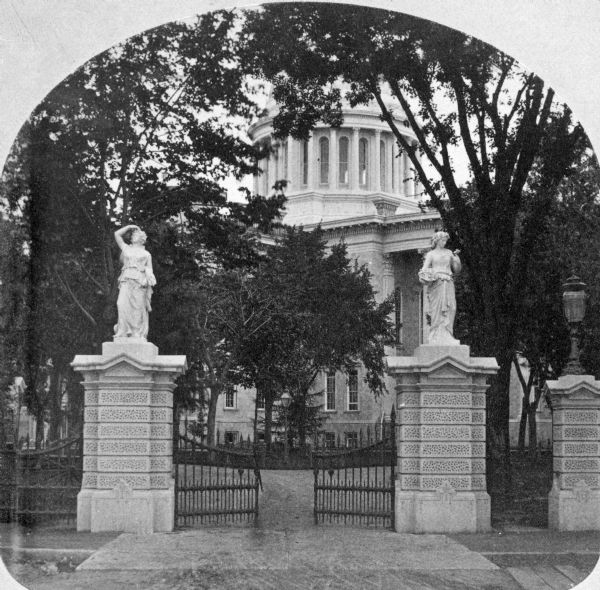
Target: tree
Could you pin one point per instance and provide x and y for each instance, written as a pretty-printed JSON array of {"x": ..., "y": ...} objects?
[
  {"x": 214, "y": 318},
  {"x": 12, "y": 321},
  {"x": 567, "y": 246},
  {"x": 458, "y": 95},
  {"x": 325, "y": 318},
  {"x": 146, "y": 133}
]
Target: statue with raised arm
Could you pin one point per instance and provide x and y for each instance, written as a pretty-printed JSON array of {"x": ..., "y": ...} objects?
[
  {"x": 135, "y": 284},
  {"x": 437, "y": 274}
]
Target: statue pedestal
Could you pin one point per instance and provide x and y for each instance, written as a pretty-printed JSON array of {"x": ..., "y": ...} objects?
[
  {"x": 127, "y": 447},
  {"x": 440, "y": 485},
  {"x": 574, "y": 500}
]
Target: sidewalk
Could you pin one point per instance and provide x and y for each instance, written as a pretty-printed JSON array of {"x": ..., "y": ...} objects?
[{"x": 286, "y": 551}]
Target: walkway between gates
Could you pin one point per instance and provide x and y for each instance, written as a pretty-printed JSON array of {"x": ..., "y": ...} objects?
[
  {"x": 286, "y": 502},
  {"x": 285, "y": 550}
]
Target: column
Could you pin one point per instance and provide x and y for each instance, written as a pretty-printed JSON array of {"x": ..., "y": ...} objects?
[
  {"x": 127, "y": 442},
  {"x": 388, "y": 276},
  {"x": 333, "y": 160},
  {"x": 281, "y": 161},
  {"x": 389, "y": 158},
  {"x": 574, "y": 499},
  {"x": 266, "y": 175},
  {"x": 415, "y": 182},
  {"x": 311, "y": 164},
  {"x": 353, "y": 164},
  {"x": 406, "y": 173},
  {"x": 399, "y": 188},
  {"x": 293, "y": 162},
  {"x": 375, "y": 167},
  {"x": 441, "y": 485}
]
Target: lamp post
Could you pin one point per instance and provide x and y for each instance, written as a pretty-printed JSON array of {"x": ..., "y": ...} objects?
[
  {"x": 285, "y": 401},
  {"x": 574, "y": 300}
]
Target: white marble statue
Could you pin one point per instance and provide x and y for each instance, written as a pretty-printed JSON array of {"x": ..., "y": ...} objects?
[
  {"x": 135, "y": 285},
  {"x": 437, "y": 275}
]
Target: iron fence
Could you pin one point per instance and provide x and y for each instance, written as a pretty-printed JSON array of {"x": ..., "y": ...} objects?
[
  {"x": 41, "y": 485},
  {"x": 295, "y": 454},
  {"x": 357, "y": 485},
  {"x": 213, "y": 485}
]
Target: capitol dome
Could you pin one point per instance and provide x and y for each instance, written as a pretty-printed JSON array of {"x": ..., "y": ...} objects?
[{"x": 339, "y": 173}]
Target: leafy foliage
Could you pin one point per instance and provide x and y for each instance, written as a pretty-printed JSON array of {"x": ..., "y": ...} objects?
[
  {"x": 325, "y": 318},
  {"x": 146, "y": 133}
]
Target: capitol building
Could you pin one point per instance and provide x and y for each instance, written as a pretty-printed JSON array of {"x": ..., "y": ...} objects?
[{"x": 354, "y": 182}]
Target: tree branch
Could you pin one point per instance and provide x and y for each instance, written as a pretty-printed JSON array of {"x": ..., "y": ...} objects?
[{"x": 74, "y": 298}]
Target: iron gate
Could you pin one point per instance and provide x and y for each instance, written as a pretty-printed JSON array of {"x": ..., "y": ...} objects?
[
  {"x": 212, "y": 484},
  {"x": 41, "y": 485},
  {"x": 357, "y": 486}
]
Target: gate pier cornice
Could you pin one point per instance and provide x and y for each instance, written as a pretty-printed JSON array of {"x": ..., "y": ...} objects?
[
  {"x": 440, "y": 481},
  {"x": 128, "y": 424}
]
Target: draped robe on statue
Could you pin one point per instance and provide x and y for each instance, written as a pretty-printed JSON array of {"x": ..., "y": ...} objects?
[
  {"x": 135, "y": 291},
  {"x": 441, "y": 298}
]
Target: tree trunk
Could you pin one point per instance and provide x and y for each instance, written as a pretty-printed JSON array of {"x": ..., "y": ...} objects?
[
  {"x": 268, "y": 419},
  {"x": 532, "y": 430},
  {"x": 39, "y": 429},
  {"x": 212, "y": 414},
  {"x": 523, "y": 424},
  {"x": 55, "y": 398},
  {"x": 499, "y": 476}
]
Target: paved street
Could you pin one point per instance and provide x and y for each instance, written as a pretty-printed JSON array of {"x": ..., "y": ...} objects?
[{"x": 286, "y": 551}]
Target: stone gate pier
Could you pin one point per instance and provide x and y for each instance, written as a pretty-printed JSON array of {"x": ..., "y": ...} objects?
[
  {"x": 440, "y": 482},
  {"x": 574, "y": 500},
  {"x": 128, "y": 422}
]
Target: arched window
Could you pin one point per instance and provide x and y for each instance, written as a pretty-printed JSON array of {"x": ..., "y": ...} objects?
[
  {"x": 323, "y": 160},
  {"x": 305, "y": 163},
  {"x": 363, "y": 162},
  {"x": 382, "y": 165},
  {"x": 343, "y": 161}
]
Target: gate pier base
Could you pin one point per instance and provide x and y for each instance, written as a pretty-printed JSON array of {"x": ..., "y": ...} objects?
[
  {"x": 127, "y": 440},
  {"x": 440, "y": 482},
  {"x": 574, "y": 500}
]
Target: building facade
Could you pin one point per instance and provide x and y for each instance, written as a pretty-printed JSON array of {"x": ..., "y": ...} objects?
[{"x": 356, "y": 183}]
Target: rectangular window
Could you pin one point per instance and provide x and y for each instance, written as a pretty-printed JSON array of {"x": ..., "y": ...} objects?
[
  {"x": 351, "y": 440},
  {"x": 230, "y": 398},
  {"x": 398, "y": 315},
  {"x": 353, "y": 391},
  {"x": 231, "y": 437},
  {"x": 260, "y": 400},
  {"x": 330, "y": 440},
  {"x": 330, "y": 392}
]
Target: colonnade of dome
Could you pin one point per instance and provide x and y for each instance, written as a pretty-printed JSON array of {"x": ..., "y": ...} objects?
[{"x": 352, "y": 165}]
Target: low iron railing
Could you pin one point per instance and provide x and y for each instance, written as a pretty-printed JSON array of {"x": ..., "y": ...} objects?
[{"x": 41, "y": 485}]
